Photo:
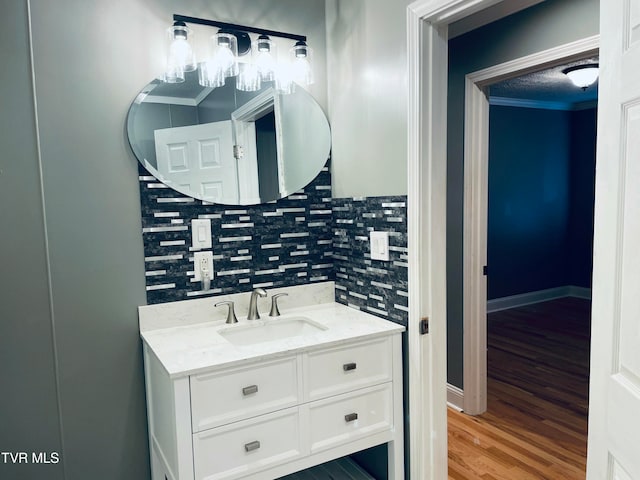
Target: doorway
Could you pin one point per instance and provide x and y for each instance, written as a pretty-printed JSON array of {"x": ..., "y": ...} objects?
[
  {"x": 476, "y": 181},
  {"x": 538, "y": 230},
  {"x": 428, "y": 23}
]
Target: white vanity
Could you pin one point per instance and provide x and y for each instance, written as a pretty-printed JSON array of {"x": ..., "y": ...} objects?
[{"x": 261, "y": 399}]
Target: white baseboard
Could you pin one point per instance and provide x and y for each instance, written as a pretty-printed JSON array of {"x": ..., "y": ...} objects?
[
  {"x": 455, "y": 397},
  {"x": 523, "y": 299},
  {"x": 579, "y": 292}
]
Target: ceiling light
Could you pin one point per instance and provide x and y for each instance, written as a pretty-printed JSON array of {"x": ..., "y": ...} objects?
[{"x": 582, "y": 75}]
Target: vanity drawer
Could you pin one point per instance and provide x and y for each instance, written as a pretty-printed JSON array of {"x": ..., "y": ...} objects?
[
  {"x": 229, "y": 395},
  {"x": 348, "y": 367},
  {"x": 245, "y": 447},
  {"x": 337, "y": 420}
]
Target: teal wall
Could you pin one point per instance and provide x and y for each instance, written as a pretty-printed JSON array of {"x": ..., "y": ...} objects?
[
  {"x": 582, "y": 196},
  {"x": 541, "y": 181}
]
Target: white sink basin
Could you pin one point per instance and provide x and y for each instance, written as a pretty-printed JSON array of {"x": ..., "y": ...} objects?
[{"x": 260, "y": 331}]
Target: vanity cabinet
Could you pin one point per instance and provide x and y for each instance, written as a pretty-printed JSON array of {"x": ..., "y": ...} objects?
[{"x": 264, "y": 418}]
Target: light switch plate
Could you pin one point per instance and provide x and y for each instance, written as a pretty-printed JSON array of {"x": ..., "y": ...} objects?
[
  {"x": 198, "y": 259},
  {"x": 379, "y": 244},
  {"x": 201, "y": 233}
]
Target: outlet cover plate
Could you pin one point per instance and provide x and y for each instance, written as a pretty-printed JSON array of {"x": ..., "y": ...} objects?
[
  {"x": 198, "y": 257},
  {"x": 379, "y": 244}
]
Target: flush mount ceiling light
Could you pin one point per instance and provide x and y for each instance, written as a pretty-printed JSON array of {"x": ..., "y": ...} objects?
[
  {"x": 582, "y": 75},
  {"x": 234, "y": 54}
]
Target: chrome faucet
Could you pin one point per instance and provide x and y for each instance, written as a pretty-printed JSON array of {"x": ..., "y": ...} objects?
[{"x": 253, "y": 303}]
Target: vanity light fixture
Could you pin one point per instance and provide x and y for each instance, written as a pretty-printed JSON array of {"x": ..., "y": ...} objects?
[
  {"x": 582, "y": 75},
  {"x": 233, "y": 54}
]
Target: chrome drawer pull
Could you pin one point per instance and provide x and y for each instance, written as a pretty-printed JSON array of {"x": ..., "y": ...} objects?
[
  {"x": 249, "y": 390},
  {"x": 349, "y": 366},
  {"x": 350, "y": 417},
  {"x": 250, "y": 447}
]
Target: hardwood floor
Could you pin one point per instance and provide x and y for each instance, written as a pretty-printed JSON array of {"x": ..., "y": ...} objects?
[{"x": 535, "y": 426}]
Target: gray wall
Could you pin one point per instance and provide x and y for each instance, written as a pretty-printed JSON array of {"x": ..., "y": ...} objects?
[
  {"x": 543, "y": 26},
  {"x": 86, "y": 74},
  {"x": 367, "y": 55},
  {"x": 28, "y": 404}
]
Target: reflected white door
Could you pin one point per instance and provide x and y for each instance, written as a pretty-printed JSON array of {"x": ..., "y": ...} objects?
[
  {"x": 199, "y": 159},
  {"x": 614, "y": 409}
]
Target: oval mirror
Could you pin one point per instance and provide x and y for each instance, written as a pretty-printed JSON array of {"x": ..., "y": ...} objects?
[{"x": 222, "y": 145}]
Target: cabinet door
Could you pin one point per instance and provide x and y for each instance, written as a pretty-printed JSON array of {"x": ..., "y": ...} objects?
[
  {"x": 229, "y": 395},
  {"x": 348, "y": 367}
]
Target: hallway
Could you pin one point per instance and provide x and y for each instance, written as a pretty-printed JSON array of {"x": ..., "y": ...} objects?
[{"x": 538, "y": 377}]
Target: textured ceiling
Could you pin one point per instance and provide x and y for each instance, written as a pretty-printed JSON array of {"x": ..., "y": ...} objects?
[{"x": 550, "y": 85}]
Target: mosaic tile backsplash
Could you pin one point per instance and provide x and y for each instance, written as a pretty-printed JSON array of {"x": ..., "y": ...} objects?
[
  {"x": 374, "y": 286},
  {"x": 304, "y": 238},
  {"x": 283, "y": 243}
]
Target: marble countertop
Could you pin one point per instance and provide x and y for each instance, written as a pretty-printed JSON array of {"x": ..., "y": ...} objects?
[{"x": 188, "y": 349}]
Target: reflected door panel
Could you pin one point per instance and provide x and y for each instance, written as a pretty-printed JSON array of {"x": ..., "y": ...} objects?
[{"x": 199, "y": 159}]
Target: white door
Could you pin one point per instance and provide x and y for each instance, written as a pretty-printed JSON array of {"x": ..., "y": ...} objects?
[
  {"x": 614, "y": 408},
  {"x": 198, "y": 160}
]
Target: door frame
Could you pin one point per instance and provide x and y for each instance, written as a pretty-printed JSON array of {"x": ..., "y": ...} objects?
[
  {"x": 476, "y": 162},
  {"x": 427, "y": 44},
  {"x": 243, "y": 120}
]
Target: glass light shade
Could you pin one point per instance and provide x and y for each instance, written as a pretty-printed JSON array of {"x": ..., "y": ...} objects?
[
  {"x": 301, "y": 63},
  {"x": 583, "y": 76},
  {"x": 180, "y": 56},
  {"x": 173, "y": 73},
  {"x": 225, "y": 54},
  {"x": 210, "y": 75},
  {"x": 249, "y": 78},
  {"x": 284, "y": 79},
  {"x": 265, "y": 54}
]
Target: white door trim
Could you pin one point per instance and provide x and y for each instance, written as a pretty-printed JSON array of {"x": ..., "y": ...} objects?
[
  {"x": 476, "y": 162},
  {"x": 427, "y": 44}
]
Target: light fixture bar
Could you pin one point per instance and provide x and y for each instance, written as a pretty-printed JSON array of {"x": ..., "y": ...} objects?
[{"x": 235, "y": 27}]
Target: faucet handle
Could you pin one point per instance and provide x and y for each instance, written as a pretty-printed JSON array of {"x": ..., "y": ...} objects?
[
  {"x": 231, "y": 314},
  {"x": 275, "y": 312}
]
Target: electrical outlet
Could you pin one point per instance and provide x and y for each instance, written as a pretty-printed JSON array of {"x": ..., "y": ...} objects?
[{"x": 202, "y": 260}]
